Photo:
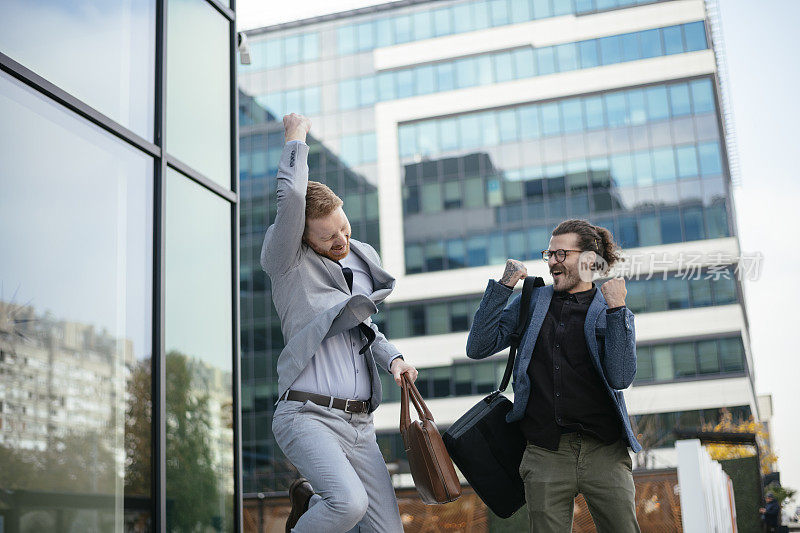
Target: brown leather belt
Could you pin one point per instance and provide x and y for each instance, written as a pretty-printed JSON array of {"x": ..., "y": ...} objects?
[{"x": 348, "y": 406}]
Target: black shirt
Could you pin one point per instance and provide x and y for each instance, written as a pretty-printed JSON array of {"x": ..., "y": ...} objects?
[{"x": 567, "y": 393}]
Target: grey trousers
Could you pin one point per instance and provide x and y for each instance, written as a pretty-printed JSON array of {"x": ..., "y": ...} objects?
[
  {"x": 338, "y": 453},
  {"x": 582, "y": 464}
]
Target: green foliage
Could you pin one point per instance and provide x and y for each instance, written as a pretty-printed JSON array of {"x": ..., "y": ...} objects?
[{"x": 783, "y": 495}]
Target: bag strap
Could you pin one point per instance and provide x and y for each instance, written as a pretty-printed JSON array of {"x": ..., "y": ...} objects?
[
  {"x": 409, "y": 390},
  {"x": 528, "y": 284}
]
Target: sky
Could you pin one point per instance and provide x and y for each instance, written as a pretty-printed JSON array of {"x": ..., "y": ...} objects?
[{"x": 763, "y": 81}]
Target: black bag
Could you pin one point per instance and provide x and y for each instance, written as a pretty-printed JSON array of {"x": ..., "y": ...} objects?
[{"x": 487, "y": 449}]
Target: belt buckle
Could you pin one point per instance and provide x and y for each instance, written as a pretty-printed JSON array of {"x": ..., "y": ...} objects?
[{"x": 351, "y": 411}]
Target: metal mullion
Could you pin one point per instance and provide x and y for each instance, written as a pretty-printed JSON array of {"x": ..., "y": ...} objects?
[
  {"x": 40, "y": 84},
  {"x": 224, "y": 10},
  {"x": 201, "y": 179},
  {"x": 159, "y": 444},
  {"x": 238, "y": 524}
]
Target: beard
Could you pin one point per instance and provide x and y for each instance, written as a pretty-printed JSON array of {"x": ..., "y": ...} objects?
[
  {"x": 333, "y": 255},
  {"x": 566, "y": 281}
]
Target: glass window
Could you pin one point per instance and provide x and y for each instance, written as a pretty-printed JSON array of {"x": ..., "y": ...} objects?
[
  {"x": 428, "y": 137},
  {"x": 520, "y": 11},
  {"x": 366, "y": 91},
  {"x": 636, "y": 298},
  {"x": 73, "y": 194},
  {"x": 662, "y": 363},
  {"x": 386, "y": 86},
  {"x": 679, "y": 99},
  {"x": 567, "y": 57},
  {"x": 572, "y": 111},
  {"x": 346, "y": 37},
  {"x": 488, "y": 127},
  {"x": 312, "y": 101},
  {"x": 384, "y": 32},
  {"x": 724, "y": 290},
  {"x": 105, "y": 57},
  {"x": 443, "y": 21},
  {"x": 700, "y": 289},
  {"x": 422, "y": 22},
  {"x": 408, "y": 140},
  {"x": 364, "y": 36},
  {"x": 676, "y": 287},
  {"x": 272, "y": 53},
  {"x": 431, "y": 198},
  {"x": 310, "y": 46},
  {"x": 551, "y": 119},
  {"x": 687, "y": 161},
  {"x": 466, "y": 74},
  {"x": 610, "y": 50},
  {"x": 545, "y": 61},
  {"x": 702, "y": 96},
  {"x": 630, "y": 47},
  {"x": 588, "y": 54},
  {"x": 673, "y": 40},
  {"x": 523, "y": 63},
  {"x": 198, "y": 341},
  {"x": 405, "y": 83},
  {"x": 434, "y": 259},
  {"x": 440, "y": 377},
  {"x": 198, "y": 89},
  {"x": 426, "y": 80},
  {"x": 507, "y": 120},
  {"x": 622, "y": 170},
  {"x": 463, "y": 380},
  {"x": 637, "y": 108},
  {"x": 542, "y": 9},
  {"x": 413, "y": 265},
  {"x": 485, "y": 70},
  {"x": 695, "y": 34},
  {"x": 473, "y": 192},
  {"x": 650, "y": 42},
  {"x": 291, "y": 49},
  {"x": 503, "y": 66},
  {"x": 448, "y": 134},
  {"x": 402, "y": 29},
  {"x": 584, "y": 6},
  {"x": 397, "y": 322},
  {"x": 562, "y": 7},
  {"x": 498, "y": 12},
  {"x": 529, "y": 127},
  {"x": 470, "y": 133},
  {"x": 707, "y": 357},
  {"x": 456, "y": 253},
  {"x": 464, "y": 21},
  {"x": 664, "y": 164},
  {"x": 685, "y": 364},
  {"x": 731, "y": 354},
  {"x": 348, "y": 94},
  {"x": 643, "y": 168},
  {"x": 657, "y": 105},
  {"x": 616, "y": 109},
  {"x": 477, "y": 254},
  {"x": 292, "y": 99},
  {"x": 452, "y": 195},
  {"x": 710, "y": 162},
  {"x": 649, "y": 230},
  {"x": 594, "y": 112}
]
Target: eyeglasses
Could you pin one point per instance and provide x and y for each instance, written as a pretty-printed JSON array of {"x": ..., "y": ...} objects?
[{"x": 560, "y": 255}]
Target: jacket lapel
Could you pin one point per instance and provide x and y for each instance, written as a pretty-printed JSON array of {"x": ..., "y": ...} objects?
[
  {"x": 381, "y": 279},
  {"x": 541, "y": 305},
  {"x": 337, "y": 276}
]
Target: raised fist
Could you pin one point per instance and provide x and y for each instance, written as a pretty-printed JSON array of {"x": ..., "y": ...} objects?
[
  {"x": 514, "y": 272},
  {"x": 295, "y": 127},
  {"x": 614, "y": 292}
]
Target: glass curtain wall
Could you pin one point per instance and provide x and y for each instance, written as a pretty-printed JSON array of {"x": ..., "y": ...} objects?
[{"x": 118, "y": 293}]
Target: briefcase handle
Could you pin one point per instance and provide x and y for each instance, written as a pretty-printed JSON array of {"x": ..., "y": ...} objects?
[{"x": 409, "y": 390}]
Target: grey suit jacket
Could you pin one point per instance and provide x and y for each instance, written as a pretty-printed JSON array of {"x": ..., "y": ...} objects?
[{"x": 309, "y": 290}]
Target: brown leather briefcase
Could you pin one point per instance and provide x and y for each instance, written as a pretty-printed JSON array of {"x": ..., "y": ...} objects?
[{"x": 431, "y": 467}]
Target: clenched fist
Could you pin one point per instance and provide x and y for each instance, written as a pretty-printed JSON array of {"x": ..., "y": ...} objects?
[
  {"x": 295, "y": 127},
  {"x": 614, "y": 292},
  {"x": 514, "y": 272}
]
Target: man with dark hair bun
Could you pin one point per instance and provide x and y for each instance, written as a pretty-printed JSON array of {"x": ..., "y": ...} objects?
[{"x": 577, "y": 354}]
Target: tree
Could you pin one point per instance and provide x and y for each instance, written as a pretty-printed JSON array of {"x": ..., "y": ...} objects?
[{"x": 728, "y": 451}]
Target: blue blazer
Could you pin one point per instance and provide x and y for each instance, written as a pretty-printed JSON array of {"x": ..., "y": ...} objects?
[{"x": 611, "y": 339}]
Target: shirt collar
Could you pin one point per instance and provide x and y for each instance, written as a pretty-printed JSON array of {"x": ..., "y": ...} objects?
[{"x": 583, "y": 297}]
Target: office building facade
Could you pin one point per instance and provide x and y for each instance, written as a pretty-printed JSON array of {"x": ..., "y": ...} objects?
[
  {"x": 459, "y": 134},
  {"x": 118, "y": 267}
]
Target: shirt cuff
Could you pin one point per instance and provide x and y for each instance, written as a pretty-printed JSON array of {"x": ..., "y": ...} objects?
[
  {"x": 612, "y": 309},
  {"x": 398, "y": 356},
  {"x": 296, "y": 141}
]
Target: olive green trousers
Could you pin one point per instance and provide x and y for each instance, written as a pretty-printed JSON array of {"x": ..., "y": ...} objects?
[{"x": 581, "y": 465}]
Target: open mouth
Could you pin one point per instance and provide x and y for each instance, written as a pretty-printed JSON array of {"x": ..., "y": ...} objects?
[{"x": 557, "y": 273}]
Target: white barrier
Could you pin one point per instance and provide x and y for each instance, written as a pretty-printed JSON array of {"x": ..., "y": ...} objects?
[{"x": 707, "y": 503}]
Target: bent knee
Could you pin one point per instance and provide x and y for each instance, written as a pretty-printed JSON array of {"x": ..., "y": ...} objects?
[{"x": 350, "y": 506}]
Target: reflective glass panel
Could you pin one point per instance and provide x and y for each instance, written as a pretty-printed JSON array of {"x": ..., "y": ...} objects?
[
  {"x": 198, "y": 89},
  {"x": 75, "y": 315},
  {"x": 198, "y": 340},
  {"x": 103, "y": 53}
]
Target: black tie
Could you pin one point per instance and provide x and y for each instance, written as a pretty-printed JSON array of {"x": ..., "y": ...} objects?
[{"x": 365, "y": 329}]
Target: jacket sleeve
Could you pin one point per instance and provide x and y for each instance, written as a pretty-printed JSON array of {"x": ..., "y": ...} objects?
[
  {"x": 494, "y": 321},
  {"x": 619, "y": 363},
  {"x": 284, "y": 239},
  {"x": 384, "y": 351}
]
